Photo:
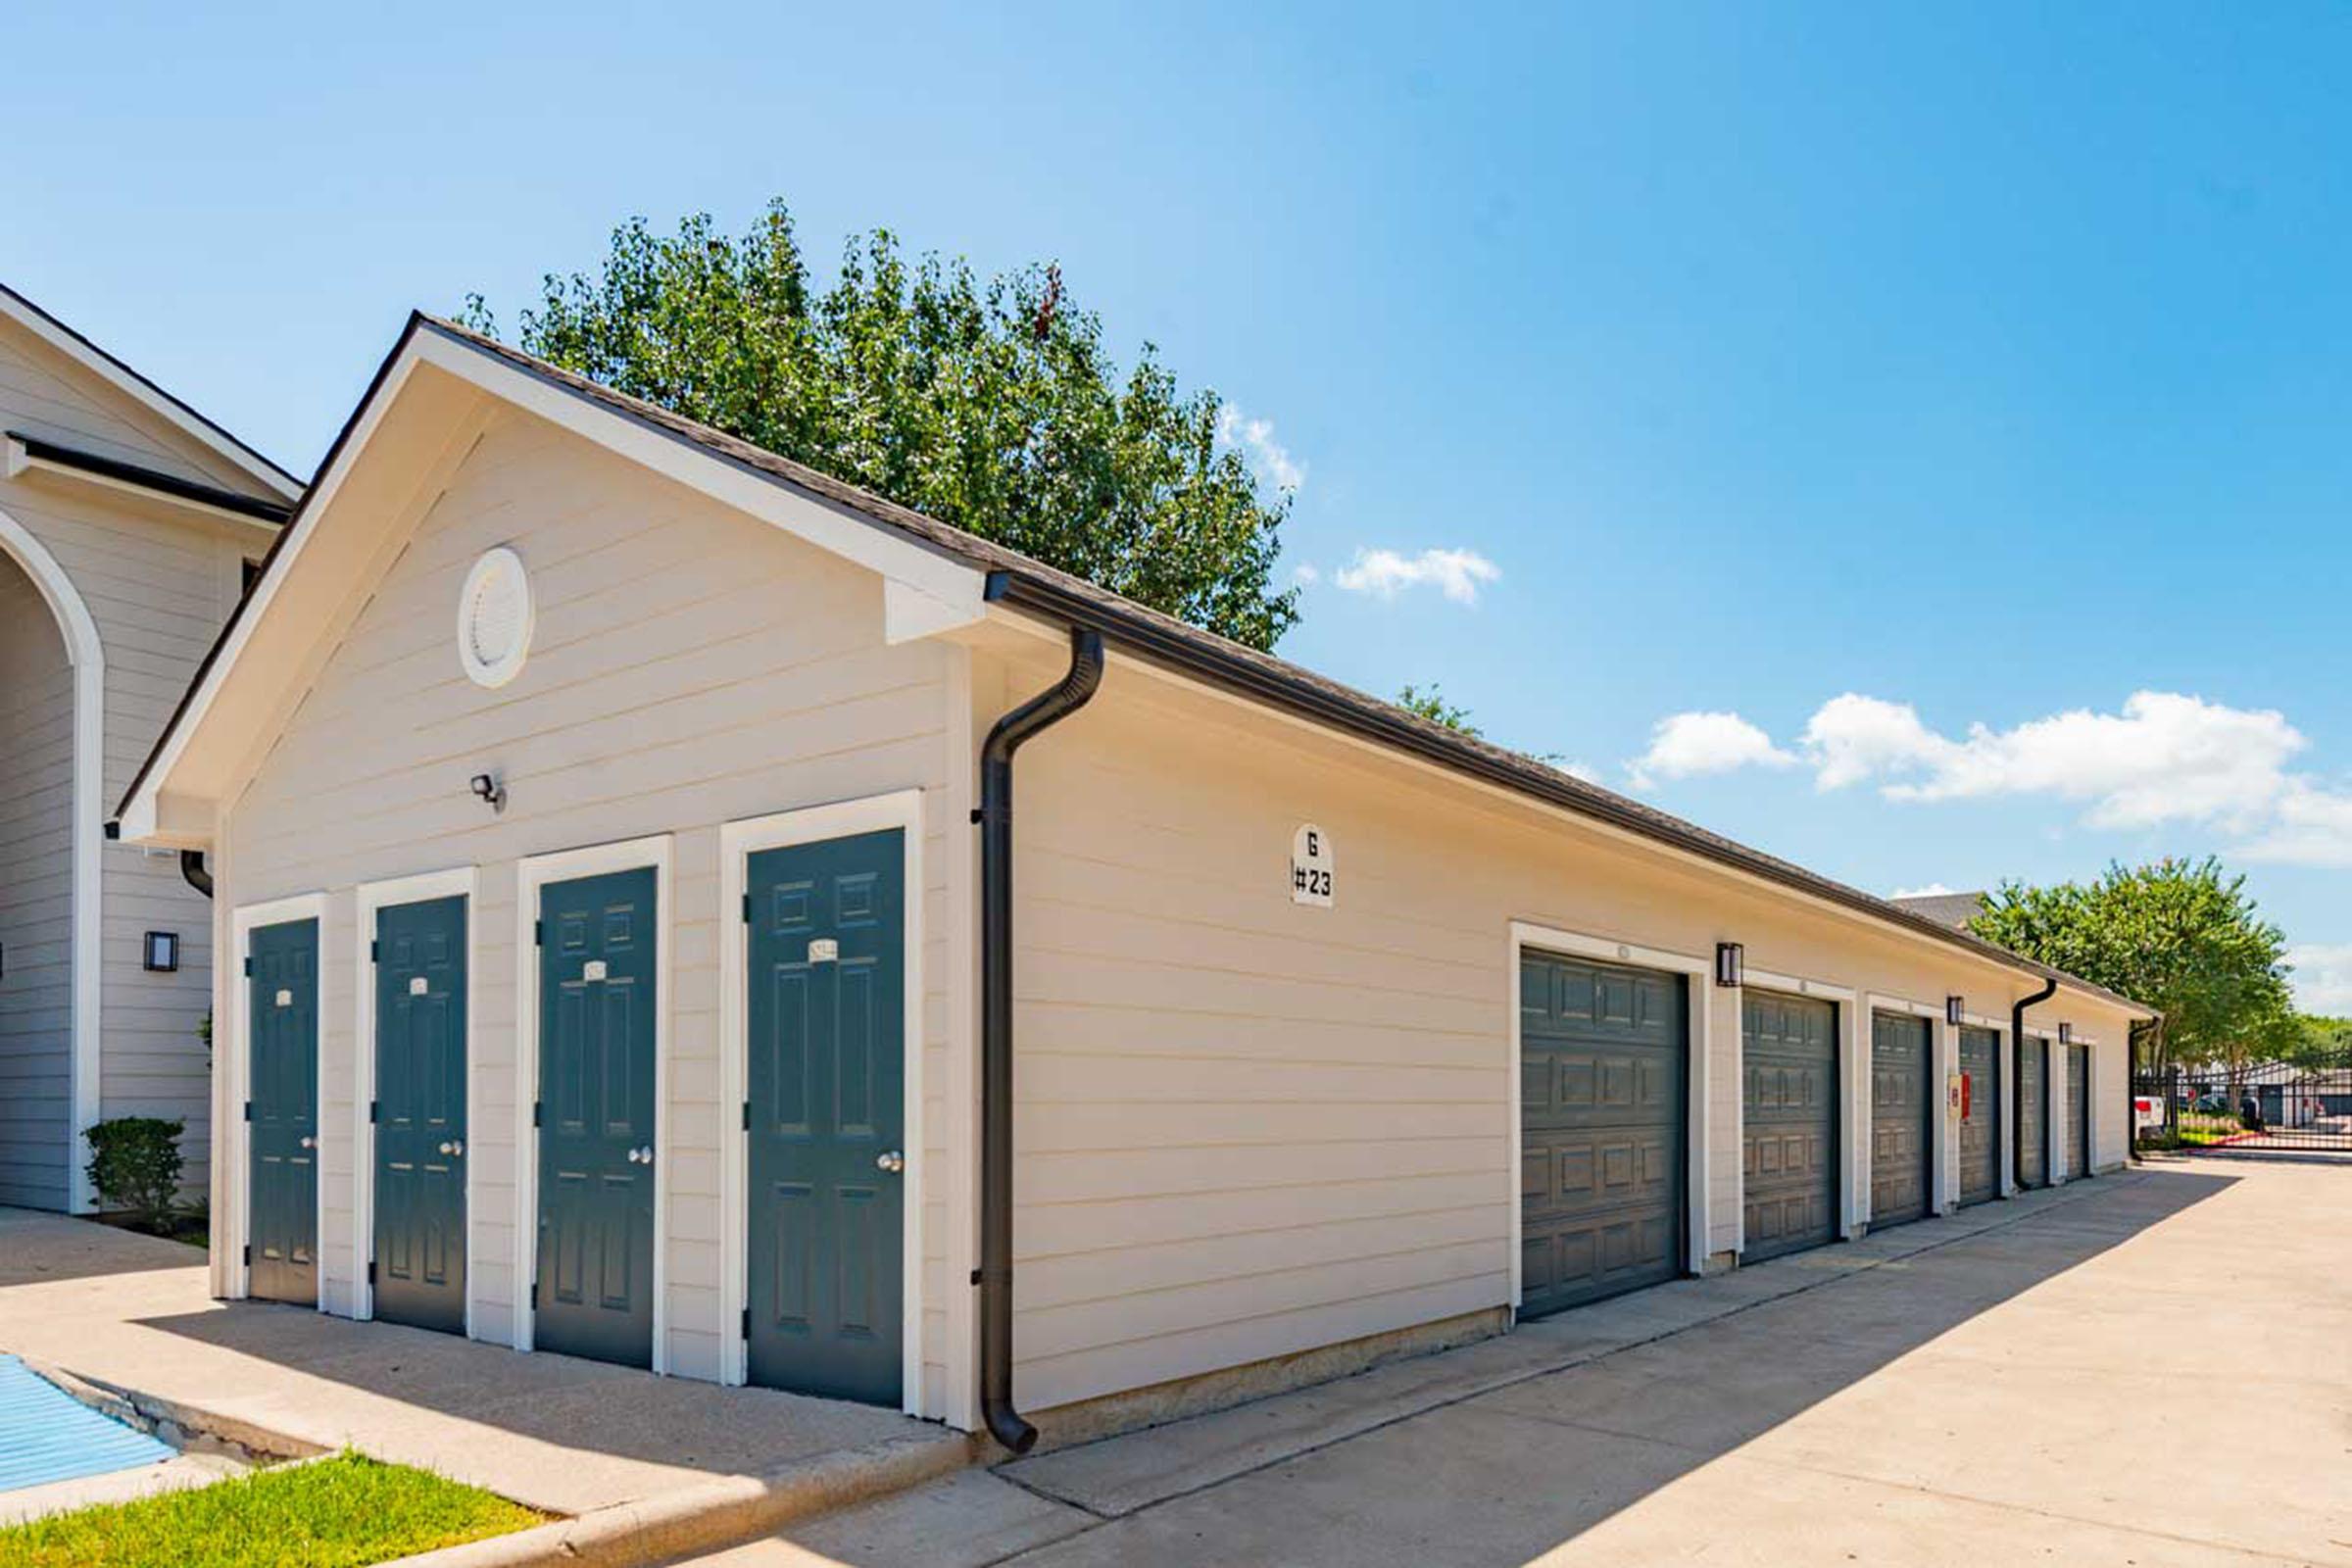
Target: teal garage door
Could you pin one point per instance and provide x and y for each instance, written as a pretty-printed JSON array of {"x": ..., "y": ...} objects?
[
  {"x": 1981, "y": 1116},
  {"x": 281, "y": 998},
  {"x": 1900, "y": 1061},
  {"x": 2078, "y": 1111},
  {"x": 825, "y": 1115},
  {"x": 593, "y": 1296},
  {"x": 1603, "y": 1061},
  {"x": 418, "y": 1267},
  {"x": 1788, "y": 1105},
  {"x": 2033, "y": 1114}
]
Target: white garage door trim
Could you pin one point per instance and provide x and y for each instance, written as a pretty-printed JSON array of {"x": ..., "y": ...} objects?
[{"x": 1853, "y": 1066}]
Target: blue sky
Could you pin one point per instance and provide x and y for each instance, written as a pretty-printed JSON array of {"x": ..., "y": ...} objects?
[{"x": 1980, "y": 366}]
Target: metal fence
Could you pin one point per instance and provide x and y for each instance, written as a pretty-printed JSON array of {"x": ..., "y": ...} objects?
[{"x": 2255, "y": 1107}]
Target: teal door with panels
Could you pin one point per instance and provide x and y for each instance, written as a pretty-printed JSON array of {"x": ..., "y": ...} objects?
[
  {"x": 418, "y": 1267},
  {"x": 1603, "y": 1055},
  {"x": 1789, "y": 1123},
  {"x": 825, "y": 1116},
  {"x": 282, "y": 1001},
  {"x": 1901, "y": 1061},
  {"x": 2033, "y": 1118},
  {"x": 1981, "y": 1117},
  {"x": 593, "y": 1291}
]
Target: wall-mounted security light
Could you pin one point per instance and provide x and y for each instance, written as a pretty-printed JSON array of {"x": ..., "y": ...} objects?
[
  {"x": 1955, "y": 1008},
  {"x": 489, "y": 789},
  {"x": 2066, "y": 1034},
  {"x": 160, "y": 951},
  {"x": 1730, "y": 959}
]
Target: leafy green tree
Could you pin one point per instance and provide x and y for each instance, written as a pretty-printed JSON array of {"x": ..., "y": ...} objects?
[
  {"x": 994, "y": 407},
  {"x": 1433, "y": 705},
  {"x": 2181, "y": 936}
]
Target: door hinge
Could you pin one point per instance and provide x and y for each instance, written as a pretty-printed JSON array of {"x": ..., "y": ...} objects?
[
  {"x": 374, "y": 1111},
  {"x": 249, "y": 1254},
  {"x": 249, "y": 1110},
  {"x": 746, "y": 1323},
  {"x": 249, "y": 963},
  {"x": 747, "y": 909},
  {"x": 375, "y": 951},
  {"x": 534, "y": 1296},
  {"x": 371, "y": 1273},
  {"x": 534, "y": 1113},
  {"x": 538, "y": 933},
  {"x": 747, "y": 1116}
]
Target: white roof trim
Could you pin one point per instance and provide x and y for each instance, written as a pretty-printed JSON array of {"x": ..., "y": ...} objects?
[
  {"x": 153, "y": 399},
  {"x": 926, "y": 592}
]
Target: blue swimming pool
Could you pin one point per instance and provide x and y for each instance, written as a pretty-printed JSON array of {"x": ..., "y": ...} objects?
[{"x": 47, "y": 1435}]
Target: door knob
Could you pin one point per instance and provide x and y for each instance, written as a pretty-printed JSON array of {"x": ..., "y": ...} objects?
[
  {"x": 454, "y": 1150},
  {"x": 309, "y": 1142},
  {"x": 642, "y": 1156},
  {"x": 890, "y": 1159}
]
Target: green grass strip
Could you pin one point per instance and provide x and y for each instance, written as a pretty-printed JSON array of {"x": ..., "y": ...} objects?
[{"x": 342, "y": 1512}]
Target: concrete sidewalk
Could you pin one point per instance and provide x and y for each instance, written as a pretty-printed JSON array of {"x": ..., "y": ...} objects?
[
  {"x": 2143, "y": 1369},
  {"x": 565, "y": 1436}
]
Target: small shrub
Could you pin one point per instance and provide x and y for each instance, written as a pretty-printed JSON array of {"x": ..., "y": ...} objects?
[{"x": 135, "y": 1163}]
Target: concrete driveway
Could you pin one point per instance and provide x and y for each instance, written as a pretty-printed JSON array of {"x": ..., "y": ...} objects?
[{"x": 2146, "y": 1369}]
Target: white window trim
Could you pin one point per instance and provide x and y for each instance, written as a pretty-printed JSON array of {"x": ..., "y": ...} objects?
[
  {"x": 738, "y": 842},
  {"x": 238, "y": 1071},
  {"x": 1853, "y": 1110},
  {"x": 459, "y": 882},
  {"x": 88, "y": 656},
  {"x": 1698, "y": 1009},
  {"x": 531, "y": 873}
]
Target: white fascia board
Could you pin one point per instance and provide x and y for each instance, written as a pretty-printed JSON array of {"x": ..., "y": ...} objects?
[
  {"x": 925, "y": 592},
  {"x": 149, "y": 397}
]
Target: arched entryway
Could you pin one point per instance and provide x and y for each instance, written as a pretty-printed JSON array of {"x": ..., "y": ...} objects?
[{"x": 58, "y": 682}]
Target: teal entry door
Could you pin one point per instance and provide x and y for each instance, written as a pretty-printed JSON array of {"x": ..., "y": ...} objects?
[
  {"x": 281, "y": 1008},
  {"x": 418, "y": 1272},
  {"x": 826, "y": 1032},
  {"x": 594, "y": 1294}
]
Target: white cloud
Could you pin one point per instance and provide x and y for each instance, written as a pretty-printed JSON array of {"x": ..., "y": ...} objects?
[
  {"x": 2313, "y": 826},
  {"x": 2165, "y": 757},
  {"x": 1307, "y": 574},
  {"x": 1384, "y": 573},
  {"x": 1689, "y": 744},
  {"x": 2323, "y": 977},
  {"x": 1933, "y": 890},
  {"x": 1584, "y": 771},
  {"x": 1268, "y": 457}
]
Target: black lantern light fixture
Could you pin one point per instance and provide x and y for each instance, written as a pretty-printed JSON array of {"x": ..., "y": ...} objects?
[
  {"x": 1730, "y": 958},
  {"x": 161, "y": 952},
  {"x": 1955, "y": 1009}
]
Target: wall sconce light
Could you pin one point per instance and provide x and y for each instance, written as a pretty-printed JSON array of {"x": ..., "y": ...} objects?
[
  {"x": 161, "y": 952},
  {"x": 1730, "y": 963},
  {"x": 490, "y": 790},
  {"x": 2066, "y": 1034},
  {"x": 1955, "y": 1008}
]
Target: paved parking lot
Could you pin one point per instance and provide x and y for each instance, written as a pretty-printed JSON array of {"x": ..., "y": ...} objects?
[{"x": 2156, "y": 1370}]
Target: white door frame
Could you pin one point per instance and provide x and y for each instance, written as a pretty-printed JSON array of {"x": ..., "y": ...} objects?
[
  {"x": 531, "y": 873},
  {"x": 88, "y": 657},
  {"x": 2004, "y": 1120},
  {"x": 236, "y": 1213},
  {"x": 1697, "y": 1009},
  {"x": 459, "y": 882},
  {"x": 738, "y": 842},
  {"x": 1853, "y": 1046},
  {"x": 1942, "y": 1048}
]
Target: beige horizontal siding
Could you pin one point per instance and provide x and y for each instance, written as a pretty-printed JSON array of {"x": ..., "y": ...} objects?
[
  {"x": 690, "y": 667},
  {"x": 37, "y": 898}
]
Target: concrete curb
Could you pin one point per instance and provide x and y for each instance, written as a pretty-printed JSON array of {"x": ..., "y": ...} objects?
[
  {"x": 185, "y": 1427},
  {"x": 716, "y": 1514}
]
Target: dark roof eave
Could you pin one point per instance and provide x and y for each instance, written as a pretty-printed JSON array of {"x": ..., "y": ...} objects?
[{"x": 275, "y": 512}]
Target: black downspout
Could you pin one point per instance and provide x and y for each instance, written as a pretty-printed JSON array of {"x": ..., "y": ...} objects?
[
  {"x": 995, "y": 817},
  {"x": 2016, "y": 1075},
  {"x": 191, "y": 867}
]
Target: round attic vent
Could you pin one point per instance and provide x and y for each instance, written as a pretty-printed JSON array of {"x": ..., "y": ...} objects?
[{"x": 494, "y": 618}]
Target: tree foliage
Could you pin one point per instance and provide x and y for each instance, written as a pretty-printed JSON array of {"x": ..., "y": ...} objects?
[
  {"x": 994, "y": 407},
  {"x": 1431, "y": 704},
  {"x": 2181, "y": 936}
]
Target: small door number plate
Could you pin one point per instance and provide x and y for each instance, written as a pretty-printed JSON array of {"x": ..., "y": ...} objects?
[
  {"x": 824, "y": 950},
  {"x": 593, "y": 969},
  {"x": 417, "y": 986}
]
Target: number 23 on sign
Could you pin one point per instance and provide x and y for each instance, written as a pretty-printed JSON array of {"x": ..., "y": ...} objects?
[{"x": 1313, "y": 864}]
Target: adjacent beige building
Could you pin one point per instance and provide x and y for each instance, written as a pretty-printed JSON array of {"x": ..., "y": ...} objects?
[
  {"x": 127, "y": 523},
  {"x": 1328, "y": 1028}
]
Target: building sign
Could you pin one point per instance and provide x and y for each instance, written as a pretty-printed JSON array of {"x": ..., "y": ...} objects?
[{"x": 1311, "y": 866}]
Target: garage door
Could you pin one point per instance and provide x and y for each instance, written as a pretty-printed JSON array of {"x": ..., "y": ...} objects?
[
  {"x": 1789, "y": 1049},
  {"x": 2078, "y": 1110},
  {"x": 2033, "y": 1121},
  {"x": 1899, "y": 1063},
  {"x": 1981, "y": 1116},
  {"x": 1602, "y": 1067}
]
